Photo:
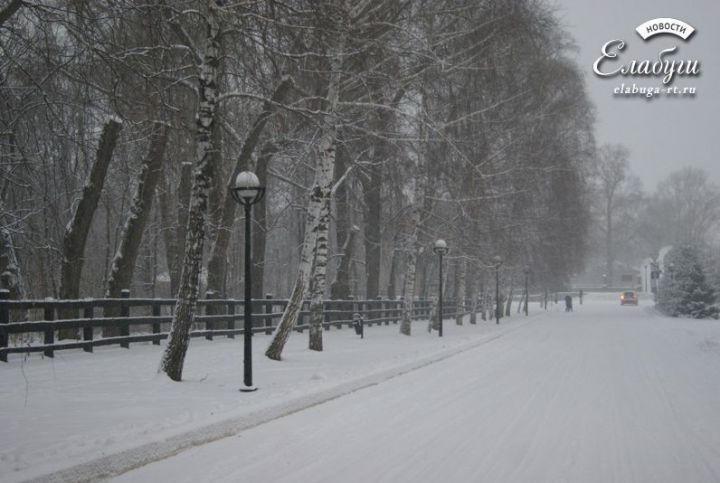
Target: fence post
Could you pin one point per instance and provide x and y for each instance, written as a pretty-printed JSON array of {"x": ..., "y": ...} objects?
[
  {"x": 88, "y": 314},
  {"x": 4, "y": 320},
  {"x": 124, "y": 313},
  {"x": 231, "y": 318},
  {"x": 156, "y": 312},
  {"x": 209, "y": 310},
  {"x": 268, "y": 310},
  {"x": 49, "y": 338}
]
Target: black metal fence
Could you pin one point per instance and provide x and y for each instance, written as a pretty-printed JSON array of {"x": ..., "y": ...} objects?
[{"x": 33, "y": 325}]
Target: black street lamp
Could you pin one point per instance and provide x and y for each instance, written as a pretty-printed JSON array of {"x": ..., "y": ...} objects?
[
  {"x": 440, "y": 248},
  {"x": 247, "y": 192},
  {"x": 526, "y": 271},
  {"x": 497, "y": 261}
]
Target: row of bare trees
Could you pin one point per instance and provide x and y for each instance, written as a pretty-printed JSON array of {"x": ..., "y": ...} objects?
[
  {"x": 377, "y": 126},
  {"x": 630, "y": 224}
]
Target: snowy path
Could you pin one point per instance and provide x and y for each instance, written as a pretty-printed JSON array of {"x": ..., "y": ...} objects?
[
  {"x": 605, "y": 394},
  {"x": 82, "y": 416}
]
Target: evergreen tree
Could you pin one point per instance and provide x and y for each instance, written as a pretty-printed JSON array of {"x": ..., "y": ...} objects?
[{"x": 686, "y": 291}]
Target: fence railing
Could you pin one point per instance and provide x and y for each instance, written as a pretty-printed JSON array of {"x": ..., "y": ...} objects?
[{"x": 34, "y": 325}]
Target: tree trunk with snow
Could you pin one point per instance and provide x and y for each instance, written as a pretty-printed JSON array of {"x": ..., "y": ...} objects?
[
  {"x": 123, "y": 264},
  {"x": 413, "y": 245},
  {"x": 319, "y": 277},
  {"x": 174, "y": 355},
  {"x": 76, "y": 231},
  {"x": 315, "y": 245}
]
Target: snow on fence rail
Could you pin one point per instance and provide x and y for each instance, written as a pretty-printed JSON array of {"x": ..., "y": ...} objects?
[{"x": 148, "y": 319}]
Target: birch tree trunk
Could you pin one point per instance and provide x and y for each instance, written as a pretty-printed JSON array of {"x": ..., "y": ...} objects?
[
  {"x": 413, "y": 246},
  {"x": 319, "y": 278},
  {"x": 315, "y": 245},
  {"x": 78, "y": 227},
  {"x": 174, "y": 355}
]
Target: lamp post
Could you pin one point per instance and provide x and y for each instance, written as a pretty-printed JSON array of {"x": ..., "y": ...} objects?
[
  {"x": 497, "y": 261},
  {"x": 247, "y": 191},
  {"x": 440, "y": 248},
  {"x": 526, "y": 271},
  {"x": 671, "y": 271}
]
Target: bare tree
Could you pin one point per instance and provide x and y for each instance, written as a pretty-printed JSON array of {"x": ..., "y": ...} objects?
[
  {"x": 612, "y": 173},
  {"x": 174, "y": 355},
  {"x": 77, "y": 230}
]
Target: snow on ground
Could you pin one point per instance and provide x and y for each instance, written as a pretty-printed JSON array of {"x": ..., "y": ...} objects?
[
  {"x": 604, "y": 394},
  {"x": 83, "y": 409}
]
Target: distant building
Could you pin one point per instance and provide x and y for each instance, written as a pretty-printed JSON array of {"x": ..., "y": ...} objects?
[{"x": 650, "y": 266}]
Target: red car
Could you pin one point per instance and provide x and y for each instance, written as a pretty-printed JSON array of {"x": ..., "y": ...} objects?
[{"x": 629, "y": 298}]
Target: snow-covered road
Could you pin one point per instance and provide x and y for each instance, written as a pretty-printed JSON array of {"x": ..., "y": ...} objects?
[{"x": 604, "y": 394}]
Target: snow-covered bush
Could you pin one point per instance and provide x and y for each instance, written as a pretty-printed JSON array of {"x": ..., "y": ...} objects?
[{"x": 685, "y": 290}]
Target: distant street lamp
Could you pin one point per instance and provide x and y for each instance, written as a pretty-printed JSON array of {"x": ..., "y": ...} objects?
[
  {"x": 440, "y": 248},
  {"x": 497, "y": 261},
  {"x": 526, "y": 271},
  {"x": 247, "y": 192}
]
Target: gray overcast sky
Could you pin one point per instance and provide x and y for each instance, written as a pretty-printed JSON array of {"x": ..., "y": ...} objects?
[{"x": 663, "y": 134}]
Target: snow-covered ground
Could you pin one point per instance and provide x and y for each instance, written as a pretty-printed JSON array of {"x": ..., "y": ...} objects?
[
  {"x": 84, "y": 408},
  {"x": 606, "y": 393}
]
